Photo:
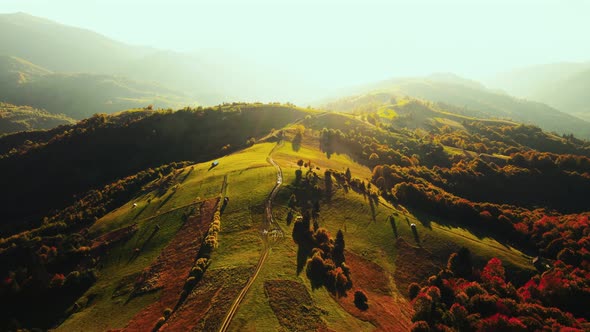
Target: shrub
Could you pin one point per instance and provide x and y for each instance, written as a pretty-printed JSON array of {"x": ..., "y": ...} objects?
[
  {"x": 360, "y": 300},
  {"x": 413, "y": 290},
  {"x": 420, "y": 326},
  {"x": 159, "y": 323}
]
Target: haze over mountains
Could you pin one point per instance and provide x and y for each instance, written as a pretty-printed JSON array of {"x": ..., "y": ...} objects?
[
  {"x": 78, "y": 72},
  {"x": 294, "y": 166},
  {"x": 561, "y": 85}
]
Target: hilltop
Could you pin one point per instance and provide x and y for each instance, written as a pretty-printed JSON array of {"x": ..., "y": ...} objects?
[
  {"x": 476, "y": 100},
  {"x": 179, "y": 227}
]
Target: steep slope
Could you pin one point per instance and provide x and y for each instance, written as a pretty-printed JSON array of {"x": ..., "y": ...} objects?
[
  {"x": 78, "y": 95},
  {"x": 22, "y": 118}
]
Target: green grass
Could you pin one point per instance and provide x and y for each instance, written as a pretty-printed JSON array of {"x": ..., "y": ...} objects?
[
  {"x": 367, "y": 233},
  {"x": 250, "y": 179},
  {"x": 386, "y": 113},
  {"x": 117, "y": 268},
  {"x": 368, "y": 237}
]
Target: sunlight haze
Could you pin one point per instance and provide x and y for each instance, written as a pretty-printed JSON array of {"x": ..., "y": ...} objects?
[{"x": 343, "y": 43}]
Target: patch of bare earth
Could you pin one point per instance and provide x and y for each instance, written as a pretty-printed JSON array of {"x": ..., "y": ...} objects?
[
  {"x": 387, "y": 311},
  {"x": 293, "y": 306},
  {"x": 206, "y": 306},
  {"x": 413, "y": 264},
  {"x": 170, "y": 270}
]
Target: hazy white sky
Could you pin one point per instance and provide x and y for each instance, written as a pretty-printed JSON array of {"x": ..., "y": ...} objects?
[{"x": 346, "y": 41}]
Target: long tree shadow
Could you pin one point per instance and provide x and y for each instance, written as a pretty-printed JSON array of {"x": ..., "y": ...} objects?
[
  {"x": 138, "y": 251},
  {"x": 141, "y": 211},
  {"x": 188, "y": 174},
  {"x": 393, "y": 226},
  {"x": 373, "y": 212},
  {"x": 167, "y": 199},
  {"x": 296, "y": 142},
  {"x": 303, "y": 253}
]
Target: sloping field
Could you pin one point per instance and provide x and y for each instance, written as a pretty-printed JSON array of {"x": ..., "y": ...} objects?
[{"x": 172, "y": 267}]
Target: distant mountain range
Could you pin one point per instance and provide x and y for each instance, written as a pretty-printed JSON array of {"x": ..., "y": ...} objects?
[
  {"x": 78, "y": 95},
  {"x": 77, "y": 72},
  {"x": 208, "y": 77},
  {"x": 561, "y": 85},
  {"x": 474, "y": 99}
]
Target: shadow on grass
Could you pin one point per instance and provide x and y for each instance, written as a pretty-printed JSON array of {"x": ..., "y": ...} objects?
[
  {"x": 167, "y": 199},
  {"x": 373, "y": 212},
  {"x": 187, "y": 174},
  {"x": 141, "y": 211},
  {"x": 394, "y": 226},
  {"x": 480, "y": 232},
  {"x": 138, "y": 251},
  {"x": 303, "y": 253}
]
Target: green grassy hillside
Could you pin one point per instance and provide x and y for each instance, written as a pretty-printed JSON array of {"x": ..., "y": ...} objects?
[
  {"x": 369, "y": 239},
  {"x": 104, "y": 148}
]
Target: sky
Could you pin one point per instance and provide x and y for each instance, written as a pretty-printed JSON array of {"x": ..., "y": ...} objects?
[{"x": 344, "y": 42}]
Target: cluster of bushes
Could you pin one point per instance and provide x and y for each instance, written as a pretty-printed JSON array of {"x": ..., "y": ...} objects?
[
  {"x": 523, "y": 181},
  {"x": 325, "y": 265},
  {"x": 370, "y": 151},
  {"x": 203, "y": 258},
  {"x": 210, "y": 241},
  {"x": 464, "y": 298},
  {"x": 497, "y": 219}
]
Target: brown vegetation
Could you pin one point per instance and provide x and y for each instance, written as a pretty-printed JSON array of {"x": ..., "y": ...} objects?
[{"x": 172, "y": 267}]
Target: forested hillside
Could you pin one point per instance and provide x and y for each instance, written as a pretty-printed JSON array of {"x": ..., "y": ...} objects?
[
  {"x": 103, "y": 148},
  {"x": 23, "y": 118}
]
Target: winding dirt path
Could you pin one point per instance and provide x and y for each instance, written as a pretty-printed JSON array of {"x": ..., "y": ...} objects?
[{"x": 269, "y": 224}]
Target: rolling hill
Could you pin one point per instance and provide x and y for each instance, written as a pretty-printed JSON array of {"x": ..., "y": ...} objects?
[
  {"x": 78, "y": 95},
  {"x": 478, "y": 101},
  {"x": 253, "y": 216},
  {"x": 23, "y": 118}
]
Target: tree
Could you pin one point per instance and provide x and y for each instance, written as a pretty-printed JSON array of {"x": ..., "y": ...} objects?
[
  {"x": 292, "y": 201},
  {"x": 360, "y": 300},
  {"x": 298, "y": 175},
  {"x": 338, "y": 253},
  {"x": 420, "y": 326},
  {"x": 460, "y": 263},
  {"x": 413, "y": 290},
  {"x": 348, "y": 174}
]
